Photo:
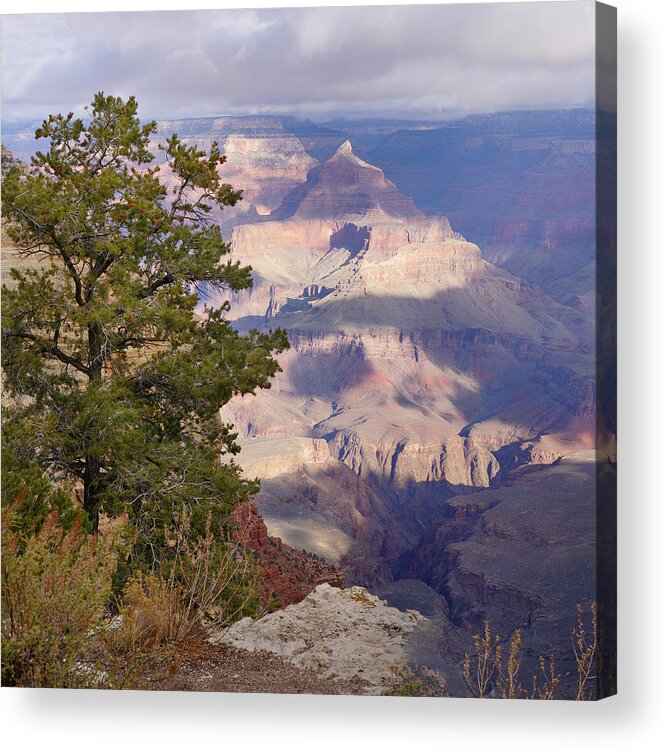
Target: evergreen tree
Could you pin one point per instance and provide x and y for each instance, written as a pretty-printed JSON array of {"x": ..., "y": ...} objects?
[{"x": 116, "y": 381}]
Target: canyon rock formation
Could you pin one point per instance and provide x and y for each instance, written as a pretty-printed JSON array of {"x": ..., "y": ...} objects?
[
  {"x": 339, "y": 634},
  {"x": 287, "y": 574},
  {"x": 418, "y": 370},
  {"x": 434, "y": 417},
  {"x": 519, "y": 184},
  {"x": 430, "y": 433}
]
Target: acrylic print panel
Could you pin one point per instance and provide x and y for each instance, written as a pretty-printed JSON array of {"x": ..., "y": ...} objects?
[{"x": 317, "y": 394}]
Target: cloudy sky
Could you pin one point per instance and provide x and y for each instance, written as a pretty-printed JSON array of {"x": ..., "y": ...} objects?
[{"x": 416, "y": 62}]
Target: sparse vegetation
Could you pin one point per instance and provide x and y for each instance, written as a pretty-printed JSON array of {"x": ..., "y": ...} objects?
[
  {"x": 361, "y": 596},
  {"x": 56, "y": 583},
  {"x": 585, "y": 651},
  {"x": 487, "y": 663},
  {"x": 489, "y": 673},
  {"x": 201, "y": 584},
  {"x": 417, "y": 681}
]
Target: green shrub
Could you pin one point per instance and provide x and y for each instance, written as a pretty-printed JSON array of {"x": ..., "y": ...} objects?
[
  {"x": 55, "y": 585},
  {"x": 416, "y": 681}
]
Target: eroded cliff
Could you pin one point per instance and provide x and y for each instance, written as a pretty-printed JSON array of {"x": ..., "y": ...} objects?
[{"x": 418, "y": 370}]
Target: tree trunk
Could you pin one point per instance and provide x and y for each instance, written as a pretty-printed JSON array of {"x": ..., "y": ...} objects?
[
  {"x": 91, "y": 487},
  {"x": 92, "y": 474}
]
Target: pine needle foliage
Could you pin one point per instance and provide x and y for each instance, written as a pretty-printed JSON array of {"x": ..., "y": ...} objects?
[{"x": 115, "y": 372}]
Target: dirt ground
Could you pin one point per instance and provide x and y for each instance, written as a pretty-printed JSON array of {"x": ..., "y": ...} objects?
[{"x": 223, "y": 668}]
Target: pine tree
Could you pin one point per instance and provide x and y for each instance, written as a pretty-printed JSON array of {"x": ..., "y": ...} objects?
[{"x": 116, "y": 380}]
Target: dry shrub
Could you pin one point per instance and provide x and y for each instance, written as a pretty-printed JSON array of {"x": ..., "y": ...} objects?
[
  {"x": 488, "y": 661},
  {"x": 487, "y": 674},
  {"x": 153, "y": 615},
  {"x": 508, "y": 681},
  {"x": 494, "y": 676},
  {"x": 55, "y": 586},
  {"x": 545, "y": 684},
  {"x": 219, "y": 580},
  {"x": 585, "y": 652},
  {"x": 202, "y": 583}
]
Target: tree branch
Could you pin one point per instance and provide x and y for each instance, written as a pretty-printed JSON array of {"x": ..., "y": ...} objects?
[
  {"x": 52, "y": 349},
  {"x": 149, "y": 290},
  {"x": 47, "y": 230}
]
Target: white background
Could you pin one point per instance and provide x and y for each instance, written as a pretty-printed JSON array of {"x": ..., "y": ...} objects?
[{"x": 634, "y": 719}]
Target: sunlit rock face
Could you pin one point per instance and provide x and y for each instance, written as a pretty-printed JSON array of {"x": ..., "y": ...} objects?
[
  {"x": 335, "y": 633},
  {"x": 263, "y": 159},
  {"x": 345, "y": 186},
  {"x": 418, "y": 370}
]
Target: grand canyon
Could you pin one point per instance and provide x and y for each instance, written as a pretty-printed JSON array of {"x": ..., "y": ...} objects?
[
  {"x": 309, "y": 366},
  {"x": 432, "y": 434}
]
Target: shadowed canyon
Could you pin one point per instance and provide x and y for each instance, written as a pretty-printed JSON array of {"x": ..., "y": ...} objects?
[{"x": 432, "y": 431}]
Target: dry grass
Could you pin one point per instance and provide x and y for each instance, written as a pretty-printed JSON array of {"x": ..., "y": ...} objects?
[
  {"x": 585, "y": 652},
  {"x": 153, "y": 615},
  {"x": 487, "y": 664},
  {"x": 488, "y": 674},
  {"x": 203, "y": 584},
  {"x": 361, "y": 596},
  {"x": 544, "y": 685}
]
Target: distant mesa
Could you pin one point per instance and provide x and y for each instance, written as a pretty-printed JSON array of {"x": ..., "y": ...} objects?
[{"x": 346, "y": 187}]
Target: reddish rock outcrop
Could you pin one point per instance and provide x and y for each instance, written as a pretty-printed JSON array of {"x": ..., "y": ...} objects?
[{"x": 288, "y": 575}]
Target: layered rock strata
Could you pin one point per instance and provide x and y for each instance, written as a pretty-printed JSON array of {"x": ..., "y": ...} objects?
[{"x": 418, "y": 371}]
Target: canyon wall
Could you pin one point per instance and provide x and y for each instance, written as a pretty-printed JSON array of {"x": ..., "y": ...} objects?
[
  {"x": 418, "y": 370},
  {"x": 432, "y": 421}
]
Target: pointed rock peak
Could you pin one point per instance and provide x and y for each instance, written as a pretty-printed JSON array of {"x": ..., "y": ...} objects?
[
  {"x": 345, "y": 187},
  {"x": 346, "y": 150}
]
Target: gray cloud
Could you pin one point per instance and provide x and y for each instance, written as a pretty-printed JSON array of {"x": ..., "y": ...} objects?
[{"x": 417, "y": 61}]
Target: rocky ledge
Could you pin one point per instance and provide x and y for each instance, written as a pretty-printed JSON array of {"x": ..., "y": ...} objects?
[{"x": 345, "y": 634}]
